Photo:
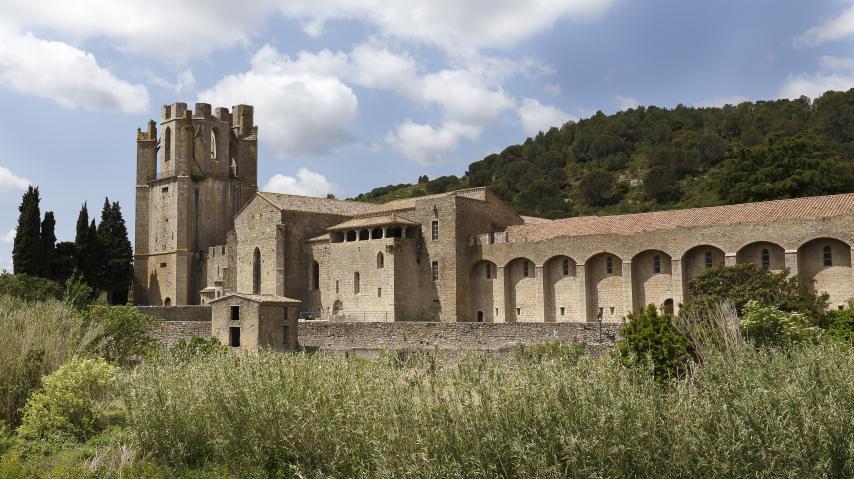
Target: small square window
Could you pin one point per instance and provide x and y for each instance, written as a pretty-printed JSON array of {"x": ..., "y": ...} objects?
[
  {"x": 162, "y": 265},
  {"x": 235, "y": 312}
]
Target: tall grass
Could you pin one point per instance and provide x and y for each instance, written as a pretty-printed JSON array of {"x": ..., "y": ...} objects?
[
  {"x": 758, "y": 414},
  {"x": 38, "y": 337}
]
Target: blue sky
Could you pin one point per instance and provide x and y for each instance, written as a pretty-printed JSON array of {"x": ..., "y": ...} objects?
[{"x": 354, "y": 94}]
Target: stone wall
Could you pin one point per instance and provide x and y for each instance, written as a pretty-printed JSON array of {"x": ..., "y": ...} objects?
[
  {"x": 172, "y": 331},
  {"x": 427, "y": 336}
]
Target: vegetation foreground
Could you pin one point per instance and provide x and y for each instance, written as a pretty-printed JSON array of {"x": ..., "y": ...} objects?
[{"x": 761, "y": 388}]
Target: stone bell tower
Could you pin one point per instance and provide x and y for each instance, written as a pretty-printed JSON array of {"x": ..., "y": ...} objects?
[{"x": 190, "y": 182}]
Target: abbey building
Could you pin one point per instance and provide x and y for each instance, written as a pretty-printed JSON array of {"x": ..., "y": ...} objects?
[{"x": 205, "y": 232}]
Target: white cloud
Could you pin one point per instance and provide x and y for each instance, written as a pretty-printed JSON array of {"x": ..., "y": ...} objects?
[
  {"x": 306, "y": 183},
  {"x": 839, "y": 28},
  {"x": 10, "y": 182},
  {"x": 552, "y": 89},
  {"x": 626, "y": 102},
  {"x": 185, "y": 81},
  {"x": 424, "y": 145},
  {"x": 816, "y": 84},
  {"x": 300, "y": 103},
  {"x": 720, "y": 101},
  {"x": 189, "y": 28},
  {"x": 459, "y": 27},
  {"x": 9, "y": 237},
  {"x": 64, "y": 74},
  {"x": 537, "y": 117}
]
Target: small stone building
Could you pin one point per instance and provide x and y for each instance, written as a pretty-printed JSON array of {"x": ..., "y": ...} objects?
[{"x": 253, "y": 321}]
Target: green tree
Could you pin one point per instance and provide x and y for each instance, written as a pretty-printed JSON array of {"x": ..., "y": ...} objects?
[
  {"x": 117, "y": 263},
  {"x": 48, "y": 243},
  {"x": 660, "y": 184},
  {"x": 29, "y": 288},
  {"x": 596, "y": 187},
  {"x": 88, "y": 250},
  {"x": 742, "y": 283},
  {"x": 651, "y": 340},
  {"x": 27, "y": 251}
]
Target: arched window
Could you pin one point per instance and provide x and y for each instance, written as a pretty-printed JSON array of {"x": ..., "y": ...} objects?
[
  {"x": 566, "y": 266},
  {"x": 828, "y": 256},
  {"x": 315, "y": 275},
  {"x": 356, "y": 285},
  {"x": 167, "y": 144},
  {"x": 380, "y": 261},
  {"x": 167, "y": 301},
  {"x": 656, "y": 264},
  {"x": 709, "y": 260},
  {"x": 213, "y": 144},
  {"x": 766, "y": 258},
  {"x": 256, "y": 272},
  {"x": 488, "y": 271},
  {"x": 609, "y": 265},
  {"x": 526, "y": 269}
]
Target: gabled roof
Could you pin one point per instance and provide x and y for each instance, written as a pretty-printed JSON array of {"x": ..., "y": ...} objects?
[
  {"x": 764, "y": 212},
  {"x": 311, "y": 204},
  {"x": 258, "y": 298},
  {"x": 409, "y": 203},
  {"x": 373, "y": 221}
]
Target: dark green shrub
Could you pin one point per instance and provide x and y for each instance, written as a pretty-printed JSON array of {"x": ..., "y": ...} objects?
[
  {"x": 184, "y": 350},
  {"x": 126, "y": 334},
  {"x": 29, "y": 288},
  {"x": 651, "y": 340},
  {"x": 840, "y": 326}
]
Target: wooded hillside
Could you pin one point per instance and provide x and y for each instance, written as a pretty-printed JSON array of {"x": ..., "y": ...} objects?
[{"x": 652, "y": 158}]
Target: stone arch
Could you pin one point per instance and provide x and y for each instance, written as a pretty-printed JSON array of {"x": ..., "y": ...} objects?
[
  {"x": 483, "y": 289},
  {"x": 364, "y": 234},
  {"x": 380, "y": 260},
  {"x": 377, "y": 233},
  {"x": 764, "y": 254},
  {"x": 351, "y": 236},
  {"x": 561, "y": 293},
  {"x": 522, "y": 297},
  {"x": 652, "y": 279},
  {"x": 605, "y": 287},
  {"x": 697, "y": 259},
  {"x": 825, "y": 264},
  {"x": 256, "y": 271},
  {"x": 337, "y": 308}
]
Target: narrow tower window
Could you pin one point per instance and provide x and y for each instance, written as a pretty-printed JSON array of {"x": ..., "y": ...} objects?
[
  {"x": 566, "y": 266},
  {"x": 256, "y": 272},
  {"x": 609, "y": 265},
  {"x": 434, "y": 267},
  {"x": 434, "y": 230},
  {"x": 380, "y": 261},
  {"x": 213, "y": 144},
  {"x": 356, "y": 285},
  {"x": 766, "y": 258},
  {"x": 709, "y": 263},
  {"x": 488, "y": 271},
  {"x": 167, "y": 144},
  {"x": 828, "y": 256},
  {"x": 526, "y": 269},
  {"x": 656, "y": 264},
  {"x": 315, "y": 275}
]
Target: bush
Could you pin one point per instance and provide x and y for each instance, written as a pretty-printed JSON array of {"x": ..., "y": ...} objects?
[
  {"x": 742, "y": 283},
  {"x": 29, "y": 288},
  {"x": 770, "y": 326},
  {"x": 126, "y": 334},
  {"x": 840, "y": 325},
  {"x": 71, "y": 404},
  {"x": 185, "y": 350},
  {"x": 38, "y": 338},
  {"x": 650, "y": 339}
]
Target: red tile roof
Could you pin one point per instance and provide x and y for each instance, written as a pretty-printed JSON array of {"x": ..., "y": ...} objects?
[{"x": 764, "y": 212}]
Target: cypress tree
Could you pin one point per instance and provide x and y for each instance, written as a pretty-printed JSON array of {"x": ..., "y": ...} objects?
[
  {"x": 48, "y": 243},
  {"x": 117, "y": 271},
  {"x": 27, "y": 251},
  {"x": 86, "y": 242}
]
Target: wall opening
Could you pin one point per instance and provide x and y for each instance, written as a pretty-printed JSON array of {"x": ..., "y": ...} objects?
[
  {"x": 167, "y": 144},
  {"x": 213, "y": 144},
  {"x": 480, "y": 316},
  {"x": 356, "y": 285},
  {"x": 167, "y": 301},
  {"x": 377, "y": 233},
  {"x": 234, "y": 336},
  {"x": 827, "y": 255},
  {"x": 364, "y": 235},
  {"x": 235, "y": 312},
  {"x": 668, "y": 306},
  {"x": 256, "y": 271},
  {"x": 351, "y": 236},
  {"x": 380, "y": 261},
  {"x": 434, "y": 267},
  {"x": 315, "y": 275},
  {"x": 434, "y": 230}
]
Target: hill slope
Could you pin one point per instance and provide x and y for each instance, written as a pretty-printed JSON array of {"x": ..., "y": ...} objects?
[{"x": 652, "y": 158}]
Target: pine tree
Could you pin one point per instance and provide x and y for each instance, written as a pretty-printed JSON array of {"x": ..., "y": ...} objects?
[
  {"x": 27, "y": 251},
  {"x": 48, "y": 244},
  {"x": 86, "y": 242},
  {"x": 117, "y": 271}
]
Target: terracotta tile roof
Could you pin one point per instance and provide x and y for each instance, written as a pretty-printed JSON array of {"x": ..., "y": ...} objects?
[
  {"x": 373, "y": 221},
  {"x": 534, "y": 219},
  {"x": 258, "y": 298},
  {"x": 409, "y": 203},
  {"x": 311, "y": 204},
  {"x": 764, "y": 212}
]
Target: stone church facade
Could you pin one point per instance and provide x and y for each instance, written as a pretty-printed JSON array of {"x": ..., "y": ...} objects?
[{"x": 204, "y": 232}]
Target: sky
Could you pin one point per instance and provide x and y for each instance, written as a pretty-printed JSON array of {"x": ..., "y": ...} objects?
[{"x": 354, "y": 94}]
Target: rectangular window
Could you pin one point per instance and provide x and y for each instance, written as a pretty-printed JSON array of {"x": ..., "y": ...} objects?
[
  {"x": 518, "y": 311},
  {"x": 162, "y": 265},
  {"x": 235, "y": 313},
  {"x": 234, "y": 336},
  {"x": 286, "y": 313},
  {"x": 434, "y": 230},
  {"x": 488, "y": 271},
  {"x": 164, "y": 190},
  {"x": 526, "y": 269},
  {"x": 562, "y": 310},
  {"x": 286, "y": 334},
  {"x": 379, "y": 292},
  {"x": 434, "y": 266},
  {"x": 609, "y": 265},
  {"x": 337, "y": 288},
  {"x": 656, "y": 266}
]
